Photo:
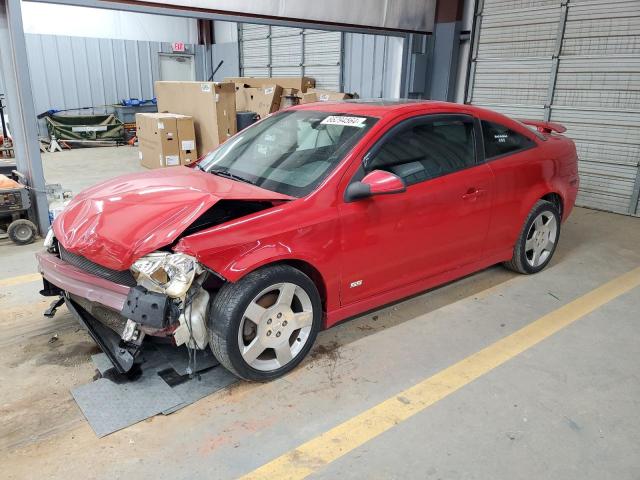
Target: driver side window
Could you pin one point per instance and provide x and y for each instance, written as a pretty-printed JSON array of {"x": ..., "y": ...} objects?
[{"x": 427, "y": 150}]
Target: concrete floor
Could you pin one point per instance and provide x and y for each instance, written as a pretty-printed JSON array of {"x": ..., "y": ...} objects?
[
  {"x": 567, "y": 408},
  {"x": 80, "y": 168}
]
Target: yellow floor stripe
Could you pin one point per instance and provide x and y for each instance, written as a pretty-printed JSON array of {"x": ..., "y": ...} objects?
[
  {"x": 30, "y": 277},
  {"x": 340, "y": 440}
]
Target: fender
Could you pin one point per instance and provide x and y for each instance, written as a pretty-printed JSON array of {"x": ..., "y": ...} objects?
[{"x": 234, "y": 249}]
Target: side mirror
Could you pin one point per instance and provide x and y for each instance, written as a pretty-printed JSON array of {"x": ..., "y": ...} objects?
[{"x": 377, "y": 182}]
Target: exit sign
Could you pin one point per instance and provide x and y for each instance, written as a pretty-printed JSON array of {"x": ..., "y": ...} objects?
[{"x": 177, "y": 46}]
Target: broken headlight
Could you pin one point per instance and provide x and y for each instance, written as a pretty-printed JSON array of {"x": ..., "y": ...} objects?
[
  {"x": 168, "y": 273},
  {"x": 48, "y": 240}
]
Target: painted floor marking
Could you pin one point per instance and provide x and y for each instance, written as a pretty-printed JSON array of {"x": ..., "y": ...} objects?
[
  {"x": 318, "y": 452},
  {"x": 29, "y": 277}
]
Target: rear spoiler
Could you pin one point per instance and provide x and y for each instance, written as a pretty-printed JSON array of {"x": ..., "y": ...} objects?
[{"x": 545, "y": 127}]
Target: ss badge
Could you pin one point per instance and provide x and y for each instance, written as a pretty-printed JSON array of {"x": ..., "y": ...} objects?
[{"x": 357, "y": 283}]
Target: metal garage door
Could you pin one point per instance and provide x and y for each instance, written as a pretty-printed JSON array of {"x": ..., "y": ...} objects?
[
  {"x": 576, "y": 62},
  {"x": 267, "y": 51}
]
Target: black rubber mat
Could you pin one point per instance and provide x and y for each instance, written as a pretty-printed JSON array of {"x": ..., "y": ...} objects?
[{"x": 159, "y": 385}]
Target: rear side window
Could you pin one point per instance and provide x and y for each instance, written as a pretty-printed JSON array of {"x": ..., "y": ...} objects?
[
  {"x": 427, "y": 150},
  {"x": 500, "y": 140}
]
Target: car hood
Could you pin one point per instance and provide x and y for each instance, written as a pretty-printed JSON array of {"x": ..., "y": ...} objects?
[{"x": 116, "y": 222}]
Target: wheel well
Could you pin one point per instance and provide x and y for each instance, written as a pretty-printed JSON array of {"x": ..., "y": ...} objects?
[
  {"x": 556, "y": 199},
  {"x": 313, "y": 273}
]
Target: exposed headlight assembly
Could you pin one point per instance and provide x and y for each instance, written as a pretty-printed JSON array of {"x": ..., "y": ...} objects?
[
  {"x": 168, "y": 273},
  {"x": 48, "y": 240}
]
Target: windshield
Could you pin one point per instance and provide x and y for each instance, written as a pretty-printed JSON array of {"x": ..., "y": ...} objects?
[{"x": 288, "y": 153}]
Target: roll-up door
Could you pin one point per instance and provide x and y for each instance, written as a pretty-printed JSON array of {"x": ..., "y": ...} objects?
[
  {"x": 269, "y": 51},
  {"x": 576, "y": 62}
]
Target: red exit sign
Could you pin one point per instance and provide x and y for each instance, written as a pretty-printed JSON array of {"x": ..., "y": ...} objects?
[{"x": 178, "y": 46}]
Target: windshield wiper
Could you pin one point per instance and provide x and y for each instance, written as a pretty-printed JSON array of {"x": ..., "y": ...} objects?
[{"x": 232, "y": 176}]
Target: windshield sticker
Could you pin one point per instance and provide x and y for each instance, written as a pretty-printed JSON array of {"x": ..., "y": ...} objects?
[{"x": 345, "y": 121}]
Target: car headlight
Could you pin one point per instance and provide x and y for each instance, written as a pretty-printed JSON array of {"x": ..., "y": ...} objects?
[
  {"x": 168, "y": 273},
  {"x": 48, "y": 239}
]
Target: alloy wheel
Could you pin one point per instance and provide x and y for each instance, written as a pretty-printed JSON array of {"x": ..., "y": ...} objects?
[
  {"x": 541, "y": 239},
  {"x": 275, "y": 326}
]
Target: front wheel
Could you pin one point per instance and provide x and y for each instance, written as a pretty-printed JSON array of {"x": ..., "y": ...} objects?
[
  {"x": 538, "y": 239},
  {"x": 262, "y": 326}
]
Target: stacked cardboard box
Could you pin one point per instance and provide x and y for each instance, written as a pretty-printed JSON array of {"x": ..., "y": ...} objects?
[
  {"x": 289, "y": 98},
  {"x": 212, "y": 106},
  {"x": 165, "y": 139},
  {"x": 261, "y": 100},
  {"x": 299, "y": 83},
  {"x": 315, "y": 95}
]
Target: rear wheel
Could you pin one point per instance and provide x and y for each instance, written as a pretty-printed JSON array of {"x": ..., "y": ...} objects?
[
  {"x": 538, "y": 239},
  {"x": 262, "y": 326},
  {"x": 22, "y": 231}
]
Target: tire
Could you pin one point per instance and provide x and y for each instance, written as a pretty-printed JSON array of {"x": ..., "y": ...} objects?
[
  {"x": 22, "y": 231},
  {"x": 255, "y": 313},
  {"x": 533, "y": 251}
]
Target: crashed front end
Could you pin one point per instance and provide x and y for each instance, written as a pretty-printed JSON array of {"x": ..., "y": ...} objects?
[{"x": 162, "y": 294}]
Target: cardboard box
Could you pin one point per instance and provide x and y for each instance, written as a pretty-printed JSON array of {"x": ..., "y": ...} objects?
[
  {"x": 289, "y": 97},
  {"x": 315, "y": 95},
  {"x": 263, "y": 100},
  {"x": 299, "y": 83},
  {"x": 165, "y": 139},
  {"x": 212, "y": 106}
]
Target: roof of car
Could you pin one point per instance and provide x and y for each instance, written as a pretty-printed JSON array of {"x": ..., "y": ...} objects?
[{"x": 380, "y": 108}]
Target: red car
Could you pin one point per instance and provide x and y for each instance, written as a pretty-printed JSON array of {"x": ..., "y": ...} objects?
[{"x": 313, "y": 215}]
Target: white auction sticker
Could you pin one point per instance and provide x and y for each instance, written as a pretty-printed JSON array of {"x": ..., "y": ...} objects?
[
  {"x": 342, "y": 120},
  {"x": 188, "y": 145}
]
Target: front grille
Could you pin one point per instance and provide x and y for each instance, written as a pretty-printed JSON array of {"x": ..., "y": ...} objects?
[{"x": 123, "y": 277}]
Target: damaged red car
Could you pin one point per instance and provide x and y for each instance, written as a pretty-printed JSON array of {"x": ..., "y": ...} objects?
[{"x": 313, "y": 215}]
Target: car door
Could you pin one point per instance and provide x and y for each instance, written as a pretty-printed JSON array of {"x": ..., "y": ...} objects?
[
  {"x": 517, "y": 167},
  {"x": 439, "y": 223}
]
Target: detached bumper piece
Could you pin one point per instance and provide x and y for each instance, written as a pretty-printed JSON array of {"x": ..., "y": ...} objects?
[{"x": 121, "y": 354}]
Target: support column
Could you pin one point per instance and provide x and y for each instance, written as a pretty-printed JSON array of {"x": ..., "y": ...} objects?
[
  {"x": 21, "y": 111},
  {"x": 446, "y": 45}
]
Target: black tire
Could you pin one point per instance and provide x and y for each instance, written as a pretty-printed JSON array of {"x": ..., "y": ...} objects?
[
  {"x": 22, "y": 231},
  {"x": 520, "y": 262},
  {"x": 227, "y": 311}
]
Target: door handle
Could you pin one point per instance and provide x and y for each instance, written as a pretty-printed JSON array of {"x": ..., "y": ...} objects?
[{"x": 473, "y": 193}]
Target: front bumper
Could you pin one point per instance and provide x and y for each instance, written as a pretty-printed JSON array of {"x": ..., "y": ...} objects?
[
  {"x": 74, "y": 283},
  {"x": 78, "y": 282}
]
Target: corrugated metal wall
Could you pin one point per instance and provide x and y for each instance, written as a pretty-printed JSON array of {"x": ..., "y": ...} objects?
[
  {"x": 372, "y": 65},
  {"x": 267, "y": 51},
  {"x": 576, "y": 62},
  {"x": 369, "y": 65},
  {"x": 74, "y": 72},
  {"x": 597, "y": 97}
]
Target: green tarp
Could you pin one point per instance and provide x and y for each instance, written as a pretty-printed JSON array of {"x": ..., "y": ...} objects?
[{"x": 86, "y": 127}]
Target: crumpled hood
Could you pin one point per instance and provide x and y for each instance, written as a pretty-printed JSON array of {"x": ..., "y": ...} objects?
[{"x": 116, "y": 222}]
